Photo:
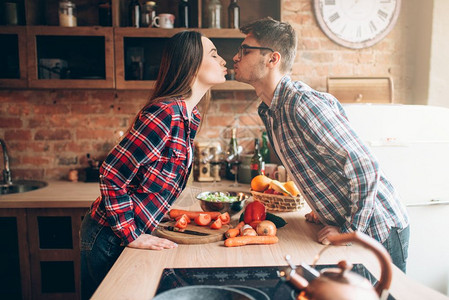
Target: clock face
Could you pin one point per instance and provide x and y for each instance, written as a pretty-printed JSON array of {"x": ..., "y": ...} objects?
[{"x": 356, "y": 23}]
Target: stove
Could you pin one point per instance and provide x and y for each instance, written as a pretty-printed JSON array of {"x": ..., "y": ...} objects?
[{"x": 260, "y": 282}]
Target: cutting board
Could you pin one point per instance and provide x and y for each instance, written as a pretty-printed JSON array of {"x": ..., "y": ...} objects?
[{"x": 215, "y": 235}]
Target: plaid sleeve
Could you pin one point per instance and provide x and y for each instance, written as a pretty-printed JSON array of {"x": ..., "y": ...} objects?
[
  {"x": 340, "y": 149},
  {"x": 142, "y": 144}
]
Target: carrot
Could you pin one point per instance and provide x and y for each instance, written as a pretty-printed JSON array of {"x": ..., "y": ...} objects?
[
  {"x": 250, "y": 240},
  {"x": 174, "y": 213},
  {"x": 233, "y": 232}
]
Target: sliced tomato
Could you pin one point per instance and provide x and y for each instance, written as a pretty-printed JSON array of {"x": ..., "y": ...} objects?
[
  {"x": 225, "y": 218},
  {"x": 185, "y": 216},
  {"x": 203, "y": 219},
  {"x": 217, "y": 224},
  {"x": 182, "y": 222}
]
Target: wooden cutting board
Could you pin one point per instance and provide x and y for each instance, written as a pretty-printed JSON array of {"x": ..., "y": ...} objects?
[{"x": 215, "y": 235}]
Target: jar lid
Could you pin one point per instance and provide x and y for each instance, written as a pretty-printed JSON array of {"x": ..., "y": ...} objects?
[{"x": 151, "y": 3}]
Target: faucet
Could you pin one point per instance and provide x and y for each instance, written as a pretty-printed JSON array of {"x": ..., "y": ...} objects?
[{"x": 6, "y": 170}]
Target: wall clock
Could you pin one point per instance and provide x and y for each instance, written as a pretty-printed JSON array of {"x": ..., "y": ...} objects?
[{"x": 356, "y": 23}]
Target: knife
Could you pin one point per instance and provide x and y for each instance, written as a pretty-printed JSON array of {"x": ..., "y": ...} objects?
[{"x": 186, "y": 231}]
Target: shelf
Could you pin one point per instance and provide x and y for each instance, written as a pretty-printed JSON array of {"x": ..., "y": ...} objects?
[
  {"x": 145, "y": 46},
  {"x": 85, "y": 53}
]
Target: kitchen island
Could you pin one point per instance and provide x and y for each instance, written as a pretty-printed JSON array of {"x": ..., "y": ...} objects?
[{"x": 136, "y": 273}]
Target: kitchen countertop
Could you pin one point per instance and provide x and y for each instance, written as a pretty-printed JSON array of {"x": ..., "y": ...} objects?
[
  {"x": 136, "y": 273},
  {"x": 57, "y": 194}
]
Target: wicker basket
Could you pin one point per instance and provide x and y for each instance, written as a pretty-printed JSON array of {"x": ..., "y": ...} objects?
[{"x": 279, "y": 202}]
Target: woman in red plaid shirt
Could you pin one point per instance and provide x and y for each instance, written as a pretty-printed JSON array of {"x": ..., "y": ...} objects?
[{"x": 144, "y": 174}]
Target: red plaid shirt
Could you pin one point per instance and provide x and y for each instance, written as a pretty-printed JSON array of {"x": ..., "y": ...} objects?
[{"x": 144, "y": 174}]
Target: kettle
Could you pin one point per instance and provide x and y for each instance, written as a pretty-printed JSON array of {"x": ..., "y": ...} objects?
[{"x": 340, "y": 283}]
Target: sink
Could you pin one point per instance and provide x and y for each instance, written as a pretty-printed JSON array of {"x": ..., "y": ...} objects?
[{"x": 21, "y": 186}]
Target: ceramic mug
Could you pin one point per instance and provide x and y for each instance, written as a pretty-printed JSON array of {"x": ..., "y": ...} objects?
[
  {"x": 164, "y": 21},
  {"x": 280, "y": 174},
  {"x": 270, "y": 169}
]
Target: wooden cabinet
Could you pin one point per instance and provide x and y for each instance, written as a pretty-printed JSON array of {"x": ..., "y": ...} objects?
[
  {"x": 61, "y": 57},
  {"x": 13, "y": 59},
  {"x": 15, "y": 280},
  {"x": 138, "y": 53},
  {"x": 45, "y": 55},
  {"x": 39, "y": 253}
]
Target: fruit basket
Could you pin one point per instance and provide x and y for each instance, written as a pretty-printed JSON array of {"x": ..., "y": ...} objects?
[{"x": 279, "y": 202}]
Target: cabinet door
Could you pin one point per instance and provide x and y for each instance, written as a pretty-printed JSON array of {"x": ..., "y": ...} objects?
[
  {"x": 79, "y": 57},
  {"x": 54, "y": 252},
  {"x": 14, "y": 261},
  {"x": 138, "y": 54},
  {"x": 13, "y": 65}
]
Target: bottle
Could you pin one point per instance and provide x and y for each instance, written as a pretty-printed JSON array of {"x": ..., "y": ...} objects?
[
  {"x": 67, "y": 13},
  {"x": 264, "y": 150},
  {"x": 234, "y": 15},
  {"x": 148, "y": 14},
  {"x": 184, "y": 14},
  {"x": 214, "y": 9},
  {"x": 256, "y": 160},
  {"x": 232, "y": 155},
  {"x": 105, "y": 13},
  {"x": 134, "y": 13}
]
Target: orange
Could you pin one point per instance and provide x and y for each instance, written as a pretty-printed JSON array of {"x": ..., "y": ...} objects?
[
  {"x": 292, "y": 188},
  {"x": 260, "y": 183}
]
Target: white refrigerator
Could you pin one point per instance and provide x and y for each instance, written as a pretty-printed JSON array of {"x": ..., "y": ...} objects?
[{"x": 411, "y": 143}]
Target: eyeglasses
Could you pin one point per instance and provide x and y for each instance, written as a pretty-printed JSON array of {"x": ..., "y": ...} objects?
[{"x": 243, "y": 48}]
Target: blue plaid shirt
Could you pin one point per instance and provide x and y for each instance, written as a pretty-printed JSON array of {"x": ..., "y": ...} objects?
[{"x": 339, "y": 177}]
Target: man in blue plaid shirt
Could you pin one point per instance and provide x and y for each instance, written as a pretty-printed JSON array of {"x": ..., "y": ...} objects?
[{"x": 340, "y": 179}]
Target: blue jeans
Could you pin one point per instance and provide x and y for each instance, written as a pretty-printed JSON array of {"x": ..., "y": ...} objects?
[
  {"x": 100, "y": 248},
  {"x": 397, "y": 245}
]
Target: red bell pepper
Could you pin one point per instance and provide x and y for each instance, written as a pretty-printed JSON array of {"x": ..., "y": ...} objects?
[{"x": 255, "y": 211}]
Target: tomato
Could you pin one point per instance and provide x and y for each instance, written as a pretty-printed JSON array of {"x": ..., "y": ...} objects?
[
  {"x": 216, "y": 224},
  {"x": 202, "y": 219},
  {"x": 225, "y": 218},
  {"x": 186, "y": 217},
  {"x": 182, "y": 222},
  {"x": 255, "y": 211}
]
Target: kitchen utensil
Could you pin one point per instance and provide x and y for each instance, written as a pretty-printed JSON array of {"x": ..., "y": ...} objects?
[
  {"x": 340, "y": 283},
  {"x": 214, "y": 235},
  {"x": 176, "y": 229},
  {"x": 222, "y": 206},
  {"x": 197, "y": 292}
]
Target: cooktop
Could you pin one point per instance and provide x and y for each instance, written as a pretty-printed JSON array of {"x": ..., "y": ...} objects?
[{"x": 260, "y": 282}]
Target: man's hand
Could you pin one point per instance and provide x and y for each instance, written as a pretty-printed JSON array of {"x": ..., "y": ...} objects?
[
  {"x": 312, "y": 218},
  {"x": 148, "y": 241},
  {"x": 326, "y": 232}
]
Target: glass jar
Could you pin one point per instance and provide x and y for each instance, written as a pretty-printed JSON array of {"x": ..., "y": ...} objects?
[
  {"x": 67, "y": 13},
  {"x": 214, "y": 9},
  {"x": 148, "y": 13}
]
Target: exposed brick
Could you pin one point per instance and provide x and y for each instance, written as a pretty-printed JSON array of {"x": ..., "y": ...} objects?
[
  {"x": 49, "y": 109},
  {"x": 35, "y": 160},
  {"x": 18, "y": 135},
  {"x": 221, "y": 121},
  {"x": 52, "y": 134},
  {"x": 10, "y": 122},
  {"x": 94, "y": 134},
  {"x": 67, "y": 161}
]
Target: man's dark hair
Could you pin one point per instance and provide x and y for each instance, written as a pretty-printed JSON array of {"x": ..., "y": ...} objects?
[{"x": 279, "y": 36}]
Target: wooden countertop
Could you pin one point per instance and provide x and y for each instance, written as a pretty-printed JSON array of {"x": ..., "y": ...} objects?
[
  {"x": 57, "y": 194},
  {"x": 136, "y": 273}
]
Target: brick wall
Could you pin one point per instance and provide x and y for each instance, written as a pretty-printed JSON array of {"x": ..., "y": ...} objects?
[{"x": 49, "y": 132}]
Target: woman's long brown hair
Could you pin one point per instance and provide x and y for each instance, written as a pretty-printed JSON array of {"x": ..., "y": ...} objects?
[{"x": 181, "y": 60}]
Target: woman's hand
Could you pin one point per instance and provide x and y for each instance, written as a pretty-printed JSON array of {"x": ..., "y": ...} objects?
[{"x": 148, "y": 241}]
